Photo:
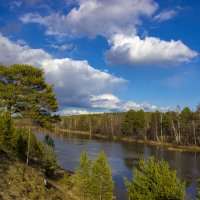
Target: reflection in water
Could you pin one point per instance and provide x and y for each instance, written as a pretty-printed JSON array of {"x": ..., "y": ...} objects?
[{"x": 123, "y": 157}]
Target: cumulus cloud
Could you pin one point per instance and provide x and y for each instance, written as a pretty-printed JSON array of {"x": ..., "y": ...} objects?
[
  {"x": 95, "y": 17},
  {"x": 165, "y": 15},
  {"x": 75, "y": 81},
  {"x": 132, "y": 50},
  {"x": 78, "y": 85},
  {"x": 72, "y": 111},
  {"x": 112, "y": 102},
  {"x": 63, "y": 47},
  {"x": 117, "y": 21}
]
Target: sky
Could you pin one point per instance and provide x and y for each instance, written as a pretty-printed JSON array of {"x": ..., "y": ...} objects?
[{"x": 108, "y": 55}]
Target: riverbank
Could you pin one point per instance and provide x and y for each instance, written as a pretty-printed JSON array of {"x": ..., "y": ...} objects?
[
  {"x": 19, "y": 181},
  {"x": 169, "y": 146}
]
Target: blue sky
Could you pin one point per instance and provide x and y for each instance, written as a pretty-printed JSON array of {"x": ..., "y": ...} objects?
[{"x": 108, "y": 55}]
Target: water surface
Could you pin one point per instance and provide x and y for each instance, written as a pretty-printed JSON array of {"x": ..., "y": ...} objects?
[{"x": 123, "y": 156}]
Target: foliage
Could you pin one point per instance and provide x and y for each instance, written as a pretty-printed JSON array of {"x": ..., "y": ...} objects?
[
  {"x": 178, "y": 127},
  {"x": 82, "y": 176},
  {"x": 22, "y": 137},
  {"x": 49, "y": 141},
  {"x": 7, "y": 129},
  {"x": 23, "y": 90},
  {"x": 102, "y": 185},
  {"x": 155, "y": 181},
  {"x": 47, "y": 158},
  {"x": 94, "y": 181}
]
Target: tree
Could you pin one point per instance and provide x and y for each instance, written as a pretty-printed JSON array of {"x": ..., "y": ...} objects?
[
  {"x": 23, "y": 90},
  {"x": 186, "y": 117},
  {"x": 21, "y": 139},
  {"x": 155, "y": 181},
  {"x": 6, "y": 129},
  {"x": 47, "y": 158},
  {"x": 49, "y": 141},
  {"x": 82, "y": 175},
  {"x": 102, "y": 185}
]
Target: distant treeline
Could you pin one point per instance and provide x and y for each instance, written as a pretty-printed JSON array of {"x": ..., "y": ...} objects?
[{"x": 179, "y": 126}]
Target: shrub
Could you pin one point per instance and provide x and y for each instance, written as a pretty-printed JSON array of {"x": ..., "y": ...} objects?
[{"x": 155, "y": 181}]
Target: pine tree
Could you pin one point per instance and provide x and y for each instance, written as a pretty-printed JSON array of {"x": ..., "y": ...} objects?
[
  {"x": 155, "y": 181},
  {"x": 23, "y": 90},
  {"x": 102, "y": 185},
  {"x": 82, "y": 175},
  {"x": 47, "y": 158},
  {"x": 6, "y": 129}
]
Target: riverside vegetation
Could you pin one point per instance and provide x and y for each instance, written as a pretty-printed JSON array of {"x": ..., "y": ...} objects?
[
  {"x": 28, "y": 167},
  {"x": 179, "y": 127}
]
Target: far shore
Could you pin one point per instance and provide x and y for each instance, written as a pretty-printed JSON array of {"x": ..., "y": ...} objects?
[{"x": 169, "y": 146}]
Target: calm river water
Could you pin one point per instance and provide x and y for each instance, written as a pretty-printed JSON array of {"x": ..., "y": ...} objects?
[{"x": 123, "y": 156}]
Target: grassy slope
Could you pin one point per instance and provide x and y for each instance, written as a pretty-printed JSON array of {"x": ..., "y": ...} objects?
[{"x": 18, "y": 181}]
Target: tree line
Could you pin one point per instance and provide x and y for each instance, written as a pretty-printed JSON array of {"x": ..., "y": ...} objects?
[{"x": 179, "y": 126}]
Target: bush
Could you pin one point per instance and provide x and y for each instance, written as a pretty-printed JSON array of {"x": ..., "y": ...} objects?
[
  {"x": 47, "y": 158},
  {"x": 155, "y": 181},
  {"x": 21, "y": 144},
  {"x": 49, "y": 141},
  {"x": 6, "y": 129},
  {"x": 94, "y": 181}
]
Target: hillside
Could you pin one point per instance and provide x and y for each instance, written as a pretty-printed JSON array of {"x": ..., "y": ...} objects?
[{"x": 19, "y": 181}]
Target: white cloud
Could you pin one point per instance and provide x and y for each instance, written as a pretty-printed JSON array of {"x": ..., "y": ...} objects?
[
  {"x": 132, "y": 50},
  {"x": 75, "y": 81},
  {"x": 165, "y": 15},
  {"x": 63, "y": 47},
  {"x": 110, "y": 101},
  {"x": 107, "y": 101},
  {"x": 72, "y": 111},
  {"x": 96, "y": 17}
]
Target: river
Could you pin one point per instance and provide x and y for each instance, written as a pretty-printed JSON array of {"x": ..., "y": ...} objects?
[{"x": 123, "y": 156}]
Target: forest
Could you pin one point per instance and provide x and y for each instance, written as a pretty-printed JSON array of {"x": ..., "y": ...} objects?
[{"x": 178, "y": 127}]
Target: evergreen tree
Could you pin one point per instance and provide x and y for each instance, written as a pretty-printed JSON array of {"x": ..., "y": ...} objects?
[
  {"x": 102, "y": 185},
  {"x": 83, "y": 174},
  {"x": 6, "y": 129},
  {"x": 47, "y": 158},
  {"x": 49, "y": 141},
  {"x": 155, "y": 181},
  {"x": 23, "y": 90},
  {"x": 22, "y": 138}
]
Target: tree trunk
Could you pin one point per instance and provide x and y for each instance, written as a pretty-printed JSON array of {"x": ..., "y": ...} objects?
[
  {"x": 28, "y": 148},
  {"x": 175, "y": 132},
  {"x": 161, "y": 132},
  {"x": 111, "y": 122},
  {"x": 194, "y": 133}
]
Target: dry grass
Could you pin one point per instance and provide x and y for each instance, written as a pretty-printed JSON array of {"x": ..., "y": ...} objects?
[{"x": 18, "y": 181}]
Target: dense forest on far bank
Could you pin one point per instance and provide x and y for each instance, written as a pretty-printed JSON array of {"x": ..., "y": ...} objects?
[{"x": 177, "y": 127}]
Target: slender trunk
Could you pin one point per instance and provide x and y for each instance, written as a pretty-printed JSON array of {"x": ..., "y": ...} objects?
[
  {"x": 111, "y": 122},
  {"x": 179, "y": 131},
  {"x": 161, "y": 132},
  {"x": 90, "y": 126},
  {"x": 194, "y": 133},
  {"x": 157, "y": 139},
  {"x": 175, "y": 132},
  {"x": 28, "y": 148}
]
